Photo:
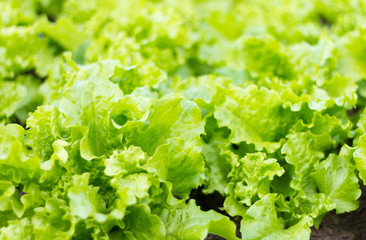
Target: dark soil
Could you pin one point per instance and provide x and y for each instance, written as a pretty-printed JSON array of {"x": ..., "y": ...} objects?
[{"x": 346, "y": 226}]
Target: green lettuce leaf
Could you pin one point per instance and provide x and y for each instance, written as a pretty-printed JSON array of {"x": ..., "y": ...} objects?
[
  {"x": 11, "y": 94},
  {"x": 169, "y": 117},
  {"x": 190, "y": 222},
  {"x": 84, "y": 198},
  {"x": 251, "y": 177},
  {"x": 262, "y": 222},
  {"x": 265, "y": 58},
  {"x": 19, "y": 229},
  {"x": 253, "y": 115},
  {"x": 335, "y": 176},
  {"x": 89, "y": 112},
  {"x": 53, "y": 220},
  {"x": 360, "y": 157},
  {"x": 130, "y": 77},
  {"x": 127, "y": 161},
  {"x": 180, "y": 163},
  {"x": 44, "y": 128},
  {"x": 64, "y": 32},
  {"x": 218, "y": 162},
  {"x": 144, "y": 225}
]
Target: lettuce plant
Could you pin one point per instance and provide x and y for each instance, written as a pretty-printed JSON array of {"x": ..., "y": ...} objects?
[{"x": 113, "y": 113}]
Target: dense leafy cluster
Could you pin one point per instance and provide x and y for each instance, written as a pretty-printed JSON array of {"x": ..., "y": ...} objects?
[{"x": 112, "y": 112}]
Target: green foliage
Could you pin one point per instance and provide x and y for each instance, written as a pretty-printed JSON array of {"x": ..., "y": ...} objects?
[{"x": 114, "y": 113}]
